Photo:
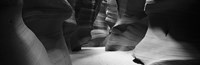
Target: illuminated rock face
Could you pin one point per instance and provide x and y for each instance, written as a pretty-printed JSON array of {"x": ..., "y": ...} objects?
[
  {"x": 170, "y": 40},
  {"x": 127, "y": 27},
  {"x": 172, "y": 37},
  {"x": 156, "y": 48},
  {"x": 22, "y": 46}
]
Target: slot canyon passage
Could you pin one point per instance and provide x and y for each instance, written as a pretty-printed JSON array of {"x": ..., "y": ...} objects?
[
  {"x": 153, "y": 48},
  {"x": 114, "y": 32}
]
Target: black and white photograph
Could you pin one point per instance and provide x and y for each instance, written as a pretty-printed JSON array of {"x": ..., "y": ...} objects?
[{"x": 99, "y": 32}]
